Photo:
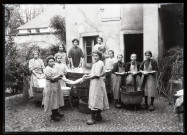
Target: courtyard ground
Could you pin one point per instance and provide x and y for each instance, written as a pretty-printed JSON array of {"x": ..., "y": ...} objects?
[{"x": 26, "y": 117}]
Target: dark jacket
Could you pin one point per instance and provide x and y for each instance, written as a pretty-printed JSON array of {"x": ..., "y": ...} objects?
[
  {"x": 116, "y": 67},
  {"x": 128, "y": 65},
  {"x": 153, "y": 63}
]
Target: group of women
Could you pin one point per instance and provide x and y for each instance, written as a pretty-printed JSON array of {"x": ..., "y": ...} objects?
[
  {"x": 103, "y": 60},
  {"x": 138, "y": 76}
]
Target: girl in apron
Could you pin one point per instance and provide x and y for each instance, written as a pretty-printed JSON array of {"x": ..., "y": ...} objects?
[
  {"x": 61, "y": 68},
  {"x": 53, "y": 96},
  {"x": 98, "y": 99},
  {"x": 36, "y": 67},
  {"x": 62, "y": 52},
  {"x": 133, "y": 80},
  {"x": 149, "y": 67},
  {"x": 109, "y": 63},
  {"x": 119, "y": 67}
]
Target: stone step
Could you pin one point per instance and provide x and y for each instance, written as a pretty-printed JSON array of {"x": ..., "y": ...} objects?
[{"x": 12, "y": 100}]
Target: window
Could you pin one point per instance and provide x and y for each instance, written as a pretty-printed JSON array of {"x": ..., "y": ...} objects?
[
  {"x": 29, "y": 30},
  {"x": 89, "y": 42},
  {"x": 110, "y": 12},
  {"x": 37, "y": 30}
]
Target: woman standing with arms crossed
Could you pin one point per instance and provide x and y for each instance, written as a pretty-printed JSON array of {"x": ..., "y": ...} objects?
[{"x": 97, "y": 93}]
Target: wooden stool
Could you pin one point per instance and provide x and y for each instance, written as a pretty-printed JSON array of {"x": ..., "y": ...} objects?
[{"x": 172, "y": 91}]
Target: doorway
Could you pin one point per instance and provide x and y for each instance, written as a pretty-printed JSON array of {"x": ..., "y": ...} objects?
[
  {"x": 133, "y": 44},
  {"x": 172, "y": 23}
]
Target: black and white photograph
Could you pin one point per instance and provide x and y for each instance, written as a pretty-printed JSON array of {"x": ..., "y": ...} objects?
[{"x": 114, "y": 67}]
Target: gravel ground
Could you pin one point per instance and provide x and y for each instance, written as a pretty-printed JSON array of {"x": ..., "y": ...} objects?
[{"x": 25, "y": 117}]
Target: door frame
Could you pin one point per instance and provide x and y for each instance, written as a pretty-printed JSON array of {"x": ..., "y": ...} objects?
[{"x": 122, "y": 39}]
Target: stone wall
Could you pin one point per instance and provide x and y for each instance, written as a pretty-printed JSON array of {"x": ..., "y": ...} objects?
[
  {"x": 150, "y": 28},
  {"x": 84, "y": 20}
]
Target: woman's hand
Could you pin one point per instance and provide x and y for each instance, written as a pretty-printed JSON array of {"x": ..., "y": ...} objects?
[
  {"x": 61, "y": 75},
  {"x": 85, "y": 77},
  {"x": 129, "y": 72},
  {"x": 153, "y": 71},
  {"x": 145, "y": 72},
  {"x": 134, "y": 73}
]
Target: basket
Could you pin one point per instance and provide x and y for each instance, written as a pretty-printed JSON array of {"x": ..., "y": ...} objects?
[
  {"x": 83, "y": 105},
  {"x": 66, "y": 91},
  {"x": 131, "y": 97}
]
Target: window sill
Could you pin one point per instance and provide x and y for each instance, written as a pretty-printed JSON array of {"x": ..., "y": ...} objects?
[{"x": 110, "y": 19}]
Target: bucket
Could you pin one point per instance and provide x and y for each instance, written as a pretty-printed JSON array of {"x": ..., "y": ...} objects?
[
  {"x": 38, "y": 93},
  {"x": 83, "y": 105},
  {"x": 66, "y": 91}
]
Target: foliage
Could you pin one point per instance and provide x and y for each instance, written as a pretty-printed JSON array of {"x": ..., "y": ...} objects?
[
  {"x": 170, "y": 67},
  {"x": 58, "y": 24},
  {"x": 15, "y": 71},
  {"x": 44, "y": 52},
  {"x": 16, "y": 64},
  {"x": 15, "y": 19},
  {"x": 21, "y": 14}
]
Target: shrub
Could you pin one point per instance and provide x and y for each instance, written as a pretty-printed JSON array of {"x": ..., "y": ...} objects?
[
  {"x": 16, "y": 63},
  {"x": 15, "y": 71},
  {"x": 170, "y": 67}
]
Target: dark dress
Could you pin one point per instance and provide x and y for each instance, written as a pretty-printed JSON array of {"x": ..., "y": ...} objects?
[
  {"x": 75, "y": 53},
  {"x": 150, "y": 79},
  {"x": 118, "y": 67}
]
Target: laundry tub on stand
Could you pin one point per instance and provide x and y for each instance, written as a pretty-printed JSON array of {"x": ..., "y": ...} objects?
[{"x": 80, "y": 92}]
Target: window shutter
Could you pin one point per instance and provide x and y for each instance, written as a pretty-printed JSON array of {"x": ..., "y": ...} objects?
[{"x": 110, "y": 13}]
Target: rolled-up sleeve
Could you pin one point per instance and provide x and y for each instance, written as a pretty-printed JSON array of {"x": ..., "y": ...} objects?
[
  {"x": 99, "y": 67},
  {"x": 70, "y": 53},
  {"x": 82, "y": 54},
  {"x": 48, "y": 73}
]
